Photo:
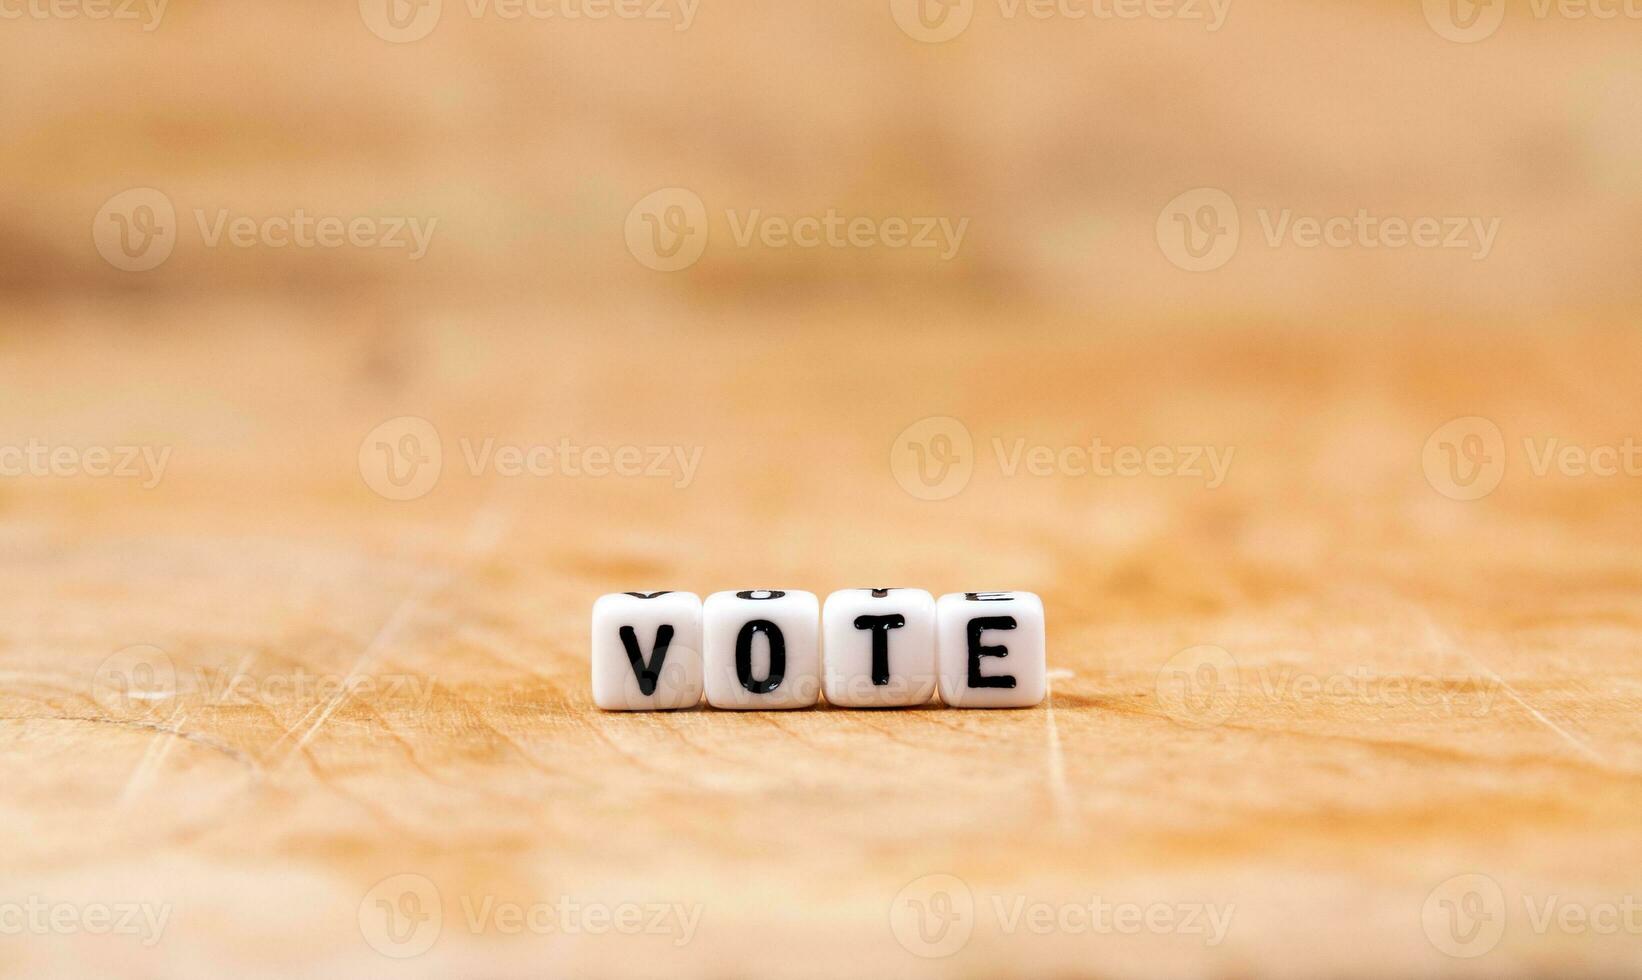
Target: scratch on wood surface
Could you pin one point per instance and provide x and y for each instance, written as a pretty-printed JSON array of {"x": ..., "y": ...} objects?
[
  {"x": 484, "y": 532},
  {"x": 1443, "y": 642},
  {"x": 143, "y": 772},
  {"x": 149, "y": 765},
  {"x": 1059, "y": 793},
  {"x": 388, "y": 630},
  {"x": 228, "y": 751}
]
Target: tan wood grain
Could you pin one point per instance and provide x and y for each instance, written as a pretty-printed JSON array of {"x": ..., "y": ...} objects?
[{"x": 412, "y": 693}]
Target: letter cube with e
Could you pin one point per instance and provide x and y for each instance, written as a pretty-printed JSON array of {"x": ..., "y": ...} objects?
[
  {"x": 762, "y": 649},
  {"x": 990, "y": 648},
  {"x": 647, "y": 651},
  {"x": 878, "y": 648}
]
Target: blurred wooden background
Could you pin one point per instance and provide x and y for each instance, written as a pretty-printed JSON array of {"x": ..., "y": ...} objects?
[{"x": 314, "y": 728}]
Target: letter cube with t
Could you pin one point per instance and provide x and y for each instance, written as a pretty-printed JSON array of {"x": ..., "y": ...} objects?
[
  {"x": 762, "y": 649},
  {"x": 878, "y": 647},
  {"x": 647, "y": 651},
  {"x": 990, "y": 647}
]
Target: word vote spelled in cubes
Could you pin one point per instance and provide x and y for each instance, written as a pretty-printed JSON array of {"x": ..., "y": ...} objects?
[{"x": 773, "y": 650}]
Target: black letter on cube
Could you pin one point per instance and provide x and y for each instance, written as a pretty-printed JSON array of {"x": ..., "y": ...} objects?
[
  {"x": 778, "y": 656},
  {"x": 880, "y": 626},
  {"x": 647, "y": 675},
  {"x": 978, "y": 626}
]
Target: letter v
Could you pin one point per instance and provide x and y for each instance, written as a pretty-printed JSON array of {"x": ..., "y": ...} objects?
[{"x": 647, "y": 674}]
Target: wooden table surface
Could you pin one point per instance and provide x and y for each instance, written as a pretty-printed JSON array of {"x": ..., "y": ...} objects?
[
  {"x": 273, "y": 721},
  {"x": 1337, "y": 540}
]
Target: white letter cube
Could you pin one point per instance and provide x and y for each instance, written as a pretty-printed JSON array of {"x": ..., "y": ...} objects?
[
  {"x": 990, "y": 646},
  {"x": 632, "y": 631},
  {"x": 878, "y": 646},
  {"x": 762, "y": 649}
]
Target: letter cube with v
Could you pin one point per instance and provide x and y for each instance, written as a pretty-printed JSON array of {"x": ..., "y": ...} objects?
[
  {"x": 990, "y": 649},
  {"x": 647, "y": 651},
  {"x": 761, "y": 649},
  {"x": 879, "y": 648}
]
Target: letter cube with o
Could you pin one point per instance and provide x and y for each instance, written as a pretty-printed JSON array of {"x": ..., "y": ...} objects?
[
  {"x": 647, "y": 651},
  {"x": 990, "y": 648},
  {"x": 761, "y": 649},
  {"x": 878, "y": 648}
]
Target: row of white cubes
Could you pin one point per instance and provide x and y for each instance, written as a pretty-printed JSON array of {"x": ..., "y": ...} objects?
[{"x": 763, "y": 649}]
